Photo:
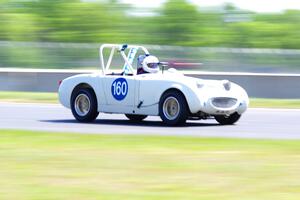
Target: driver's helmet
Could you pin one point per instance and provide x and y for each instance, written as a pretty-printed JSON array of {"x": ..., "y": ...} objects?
[{"x": 150, "y": 64}]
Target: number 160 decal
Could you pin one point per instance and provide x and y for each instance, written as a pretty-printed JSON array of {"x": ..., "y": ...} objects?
[{"x": 119, "y": 89}]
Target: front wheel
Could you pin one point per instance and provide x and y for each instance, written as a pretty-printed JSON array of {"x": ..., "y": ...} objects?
[
  {"x": 173, "y": 109},
  {"x": 228, "y": 120},
  {"x": 135, "y": 118},
  {"x": 84, "y": 105}
]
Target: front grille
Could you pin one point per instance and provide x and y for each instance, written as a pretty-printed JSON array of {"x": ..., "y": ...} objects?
[{"x": 223, "y": 102}]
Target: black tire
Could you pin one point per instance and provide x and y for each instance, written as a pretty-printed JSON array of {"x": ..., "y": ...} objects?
[
  {"x": 182, "y": 112},
  {"x": 91, "y": 113},
  {"x": 135, "y": 118},
  {"x": 227, "y": 120}
]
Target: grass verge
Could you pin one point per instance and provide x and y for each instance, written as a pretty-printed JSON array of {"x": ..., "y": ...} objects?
[
  {"x": 37, "y": 165},
  {"x": 29, "y": 97},
  {"x": 44, "y": 97},
  {"x": 274, "y": 103}
]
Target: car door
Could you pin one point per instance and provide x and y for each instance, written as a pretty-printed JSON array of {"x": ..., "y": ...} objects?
[
  {"x": 148, "y": 90},
  {"x": 120, "y": 93}
]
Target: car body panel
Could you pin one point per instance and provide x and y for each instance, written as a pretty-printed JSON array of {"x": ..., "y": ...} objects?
[{"x": 140, "y": 94}]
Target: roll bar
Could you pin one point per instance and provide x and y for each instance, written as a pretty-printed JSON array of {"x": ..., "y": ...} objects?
[{"x": 120, "y": 49}]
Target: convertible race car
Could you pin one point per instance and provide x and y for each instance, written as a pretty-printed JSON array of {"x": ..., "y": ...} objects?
[{"x": 142, "y": 86}]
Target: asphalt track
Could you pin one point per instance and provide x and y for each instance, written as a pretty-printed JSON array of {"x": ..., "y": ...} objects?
[{"x": 255, "y": 123}]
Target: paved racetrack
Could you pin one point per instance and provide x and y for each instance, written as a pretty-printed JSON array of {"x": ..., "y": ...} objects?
[{"x": 255, "y": 123}]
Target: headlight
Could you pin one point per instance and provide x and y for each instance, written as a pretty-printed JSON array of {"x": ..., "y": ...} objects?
[
  {"x": 199, "y": 85},
  {"x": 226, "y": 84}
]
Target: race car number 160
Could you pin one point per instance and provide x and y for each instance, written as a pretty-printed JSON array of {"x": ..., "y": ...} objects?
[{"x": 119, "y": 89}]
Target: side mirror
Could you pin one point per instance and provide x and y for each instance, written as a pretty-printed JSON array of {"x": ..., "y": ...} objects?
[{"x": 163, "y": 65}]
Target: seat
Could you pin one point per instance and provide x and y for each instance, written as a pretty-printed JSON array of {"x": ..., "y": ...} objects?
[{"x": 139, "y": 68}]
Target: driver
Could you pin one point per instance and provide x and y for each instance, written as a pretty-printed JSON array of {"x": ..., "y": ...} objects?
[{"x": 149, "y": 65}]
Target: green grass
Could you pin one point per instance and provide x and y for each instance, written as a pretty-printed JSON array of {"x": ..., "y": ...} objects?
[
  {"x": 29, "y": 97},
  {"x": 39, "y": 97},
  {"x": 36, "y": 165},
  {"x": 274, "y": 103}
]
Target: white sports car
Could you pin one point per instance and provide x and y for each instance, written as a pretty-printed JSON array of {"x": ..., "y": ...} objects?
[{"x": 165, "y": 93}]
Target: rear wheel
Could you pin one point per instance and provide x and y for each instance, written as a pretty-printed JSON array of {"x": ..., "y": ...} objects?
[
  {"x": 228, "y": 120},
  {"x": 84, "y": 105},
  {"x": 173, "y": 109},
  {"x": 135, "y": 118}
]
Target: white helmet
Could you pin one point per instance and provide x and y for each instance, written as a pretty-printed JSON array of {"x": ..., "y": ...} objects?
[{"x": 150, "y": 64}]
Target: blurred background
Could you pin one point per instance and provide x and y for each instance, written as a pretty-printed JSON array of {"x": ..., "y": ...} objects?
[{"x": 232, "y": 35}]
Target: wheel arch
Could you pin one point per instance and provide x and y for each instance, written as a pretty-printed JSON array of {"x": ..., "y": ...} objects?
[
  {"x": 83, "y": 85},
  {"x": 176, "y": 89},
  {"x": 189, "y": 94}
]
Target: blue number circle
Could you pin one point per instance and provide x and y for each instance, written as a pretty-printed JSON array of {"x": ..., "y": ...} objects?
[{"x": 119, "y": 89}]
